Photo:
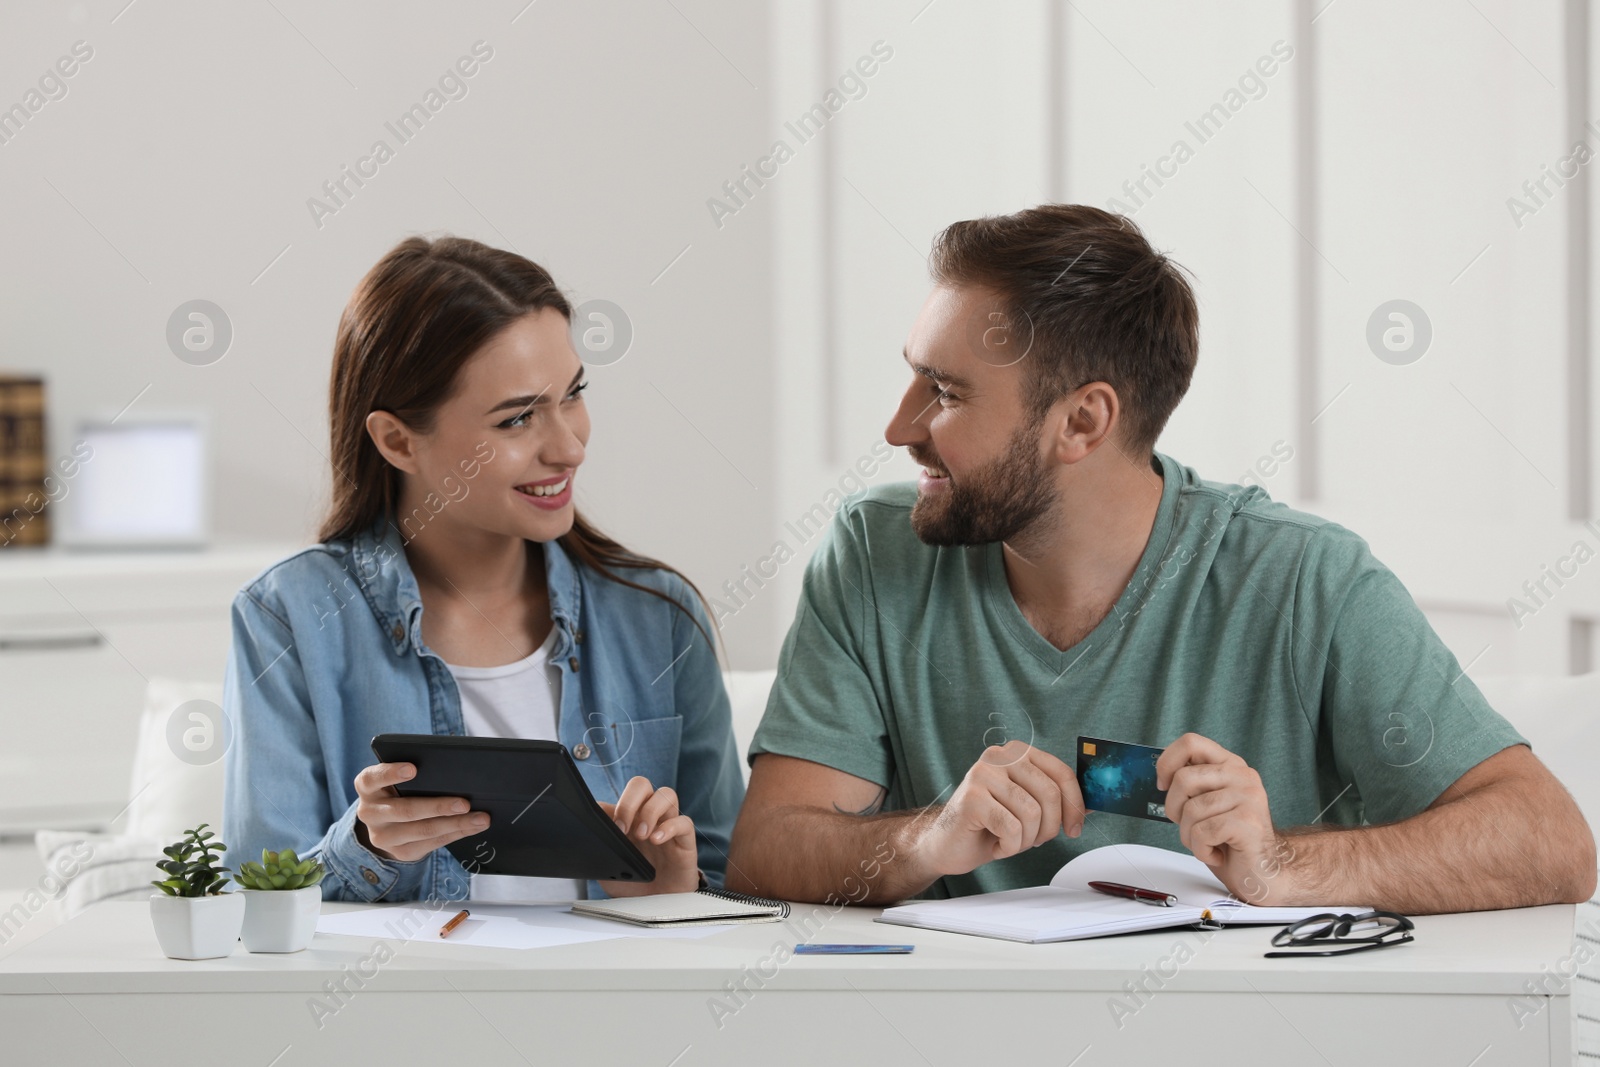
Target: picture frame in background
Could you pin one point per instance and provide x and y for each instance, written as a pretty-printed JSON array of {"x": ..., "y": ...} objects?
[{"x": 145, "y": 484}]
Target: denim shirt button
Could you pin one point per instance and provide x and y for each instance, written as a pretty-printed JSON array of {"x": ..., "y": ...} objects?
[
  {"x": 580, "y": 751},
  {"x": 573, "y": 662},
  {"x": 398, "y": 632},
  {"x": 577, "y": 636},
  {"x": 367, "y": 873}
]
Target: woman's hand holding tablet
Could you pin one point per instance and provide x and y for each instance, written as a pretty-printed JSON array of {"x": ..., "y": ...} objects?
[
  {"x": 540, "y": 818},
  {"x": 408, "y": 828},
  {"x": 651, "y": 820}
]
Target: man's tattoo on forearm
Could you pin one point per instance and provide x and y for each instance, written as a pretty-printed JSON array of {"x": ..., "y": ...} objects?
[{"x": 872, "y": 808}]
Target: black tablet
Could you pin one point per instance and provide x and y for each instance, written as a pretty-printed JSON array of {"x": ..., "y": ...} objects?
[{"x": 543, "y": 821}]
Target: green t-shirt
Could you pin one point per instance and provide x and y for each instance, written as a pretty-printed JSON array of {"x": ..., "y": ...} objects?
[{"x": 1270, "y": 631}]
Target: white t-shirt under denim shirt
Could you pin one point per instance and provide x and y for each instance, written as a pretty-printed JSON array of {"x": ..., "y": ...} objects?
[{"x": 518, "y": 699}]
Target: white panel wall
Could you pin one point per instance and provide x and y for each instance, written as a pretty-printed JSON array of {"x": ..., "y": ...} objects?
[
  {"x": 1373, "y": 163},
  {"x": 1454, "y": 466},
  {"x": 1142, "y": 82}
]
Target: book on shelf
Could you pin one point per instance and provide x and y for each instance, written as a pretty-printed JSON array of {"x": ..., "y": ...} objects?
[{"x": 24, "y": 515}]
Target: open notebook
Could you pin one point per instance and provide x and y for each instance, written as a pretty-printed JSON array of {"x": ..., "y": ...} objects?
[
  {"x": 703, "y": 907},
  {"x": 1067, "y": 909}
]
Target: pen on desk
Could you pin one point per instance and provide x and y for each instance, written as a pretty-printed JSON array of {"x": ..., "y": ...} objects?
[
  {"x": 453, "y": 923},
  {"x": 1144, "y": 896}
]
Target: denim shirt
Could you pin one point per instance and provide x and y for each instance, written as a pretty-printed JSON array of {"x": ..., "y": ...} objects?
[{"x": 328, "y": 652}]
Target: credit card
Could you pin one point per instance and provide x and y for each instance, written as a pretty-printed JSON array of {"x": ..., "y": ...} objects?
[
  {"x": 1120, "y": 777},
  {"x": 852, "y": 950}
]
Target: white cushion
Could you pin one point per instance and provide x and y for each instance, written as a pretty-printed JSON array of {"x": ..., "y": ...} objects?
[
  {"x": 168, "y": 796},
  {"x": 1560, "y": 717},
  {"x": 747, "y": 694},
  {"x": 85, "y": 869}
]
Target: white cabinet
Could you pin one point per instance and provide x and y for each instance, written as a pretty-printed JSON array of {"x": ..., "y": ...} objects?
[{"x": 80, "y": 635}]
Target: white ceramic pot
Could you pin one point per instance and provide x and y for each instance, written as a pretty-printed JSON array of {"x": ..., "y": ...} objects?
[
  {"x": 280, "y": 920},
  {"x": 197, "y": 928}
]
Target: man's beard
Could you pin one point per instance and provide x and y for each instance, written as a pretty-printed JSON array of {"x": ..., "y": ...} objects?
[{"x": 995, "y": 503}]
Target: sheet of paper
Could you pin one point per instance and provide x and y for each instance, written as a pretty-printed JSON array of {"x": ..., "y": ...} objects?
[
  {"x": 1147, "y": 867},
  {"x": 1179, "y": 874},
  {"x": 491, "y": 925}
]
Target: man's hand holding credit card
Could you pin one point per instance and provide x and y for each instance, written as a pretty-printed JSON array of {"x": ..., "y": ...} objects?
[
  {"x": 1217, "y": 801},
  {"x": 1015, "y": 797}
]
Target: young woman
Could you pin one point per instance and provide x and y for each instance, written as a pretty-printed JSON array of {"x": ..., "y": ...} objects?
[{"x": 456, "y": 590}]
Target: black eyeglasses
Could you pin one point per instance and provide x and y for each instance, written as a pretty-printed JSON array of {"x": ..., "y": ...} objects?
[{"x": 1358, "y": 933}]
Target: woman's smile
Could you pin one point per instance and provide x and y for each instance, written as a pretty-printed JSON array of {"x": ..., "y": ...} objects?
[{"x": 552, "y": 494}]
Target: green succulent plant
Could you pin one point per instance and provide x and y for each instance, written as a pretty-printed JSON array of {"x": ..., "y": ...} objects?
[
  {"x": 190, "y": 867},
  {"x": 280, "y": 870}
]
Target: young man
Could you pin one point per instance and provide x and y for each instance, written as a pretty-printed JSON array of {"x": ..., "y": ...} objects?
[{"x": 1051, "y": 575}]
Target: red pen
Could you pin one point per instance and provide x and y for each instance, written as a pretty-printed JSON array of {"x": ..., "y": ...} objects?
[{"x": 1144, "y": 896}]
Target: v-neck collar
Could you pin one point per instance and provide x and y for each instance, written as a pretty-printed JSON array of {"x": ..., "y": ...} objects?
[{"x": 997, "y": 591}]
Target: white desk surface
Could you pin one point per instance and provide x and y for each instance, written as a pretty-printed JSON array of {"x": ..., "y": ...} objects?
[
  {"x": 111, "y": 948},
  {"x": 97, "y": 992}
]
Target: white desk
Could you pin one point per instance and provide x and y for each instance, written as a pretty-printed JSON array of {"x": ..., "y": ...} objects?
[{"x": 98, "y": 991}]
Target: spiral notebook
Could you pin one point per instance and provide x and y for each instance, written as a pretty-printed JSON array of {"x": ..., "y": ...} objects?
[{"x": 703, "y": 907}]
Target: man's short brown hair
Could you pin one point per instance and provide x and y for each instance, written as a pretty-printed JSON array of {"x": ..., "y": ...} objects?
[{"x": 1084, "y": 290}]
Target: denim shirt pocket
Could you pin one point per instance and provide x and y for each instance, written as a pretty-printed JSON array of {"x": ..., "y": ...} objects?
[{"x": 647, "y": 747}]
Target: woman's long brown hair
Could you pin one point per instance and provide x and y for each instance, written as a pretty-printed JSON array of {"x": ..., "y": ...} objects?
[{"x": 410, "y": 326}]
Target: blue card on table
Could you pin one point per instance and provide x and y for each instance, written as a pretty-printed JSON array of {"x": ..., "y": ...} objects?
[{"x": 1119, "y": 777}]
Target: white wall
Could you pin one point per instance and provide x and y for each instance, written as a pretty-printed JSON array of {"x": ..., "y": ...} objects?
[{"x": 179, "y": 164}]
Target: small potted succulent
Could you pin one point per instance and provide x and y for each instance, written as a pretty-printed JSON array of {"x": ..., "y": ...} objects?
[
  {"x": 283, "y": 898},
  {"x": 193, "y": 917}
]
